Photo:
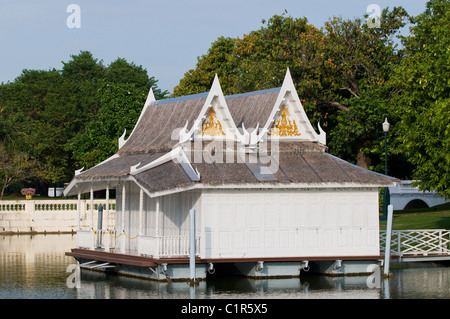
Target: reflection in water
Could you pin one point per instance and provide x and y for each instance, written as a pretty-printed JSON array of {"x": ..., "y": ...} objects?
[
  {"x": 100, "y": 285},
  {"x": 427, "y": 280},
  {"x": 36, "y": 267}
]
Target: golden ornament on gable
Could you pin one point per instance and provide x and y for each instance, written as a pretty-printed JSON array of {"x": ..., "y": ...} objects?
[
  {"x": 211, "y": 125},
  {"x": 284, "y": 125}
]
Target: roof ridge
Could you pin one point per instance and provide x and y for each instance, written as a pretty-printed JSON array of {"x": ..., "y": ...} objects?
[
  {"x": 205, "y": 94},
  {"x": 181, "y": 98},
  {"x": 233, "y": 96}
]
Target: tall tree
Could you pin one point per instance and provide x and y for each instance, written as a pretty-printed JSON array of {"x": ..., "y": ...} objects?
[
  {"x": 423, "y": 97},
  {"x": 44, "y": 114},
  {"x": 216, "y": 61},
  {"x": 340, "y": 74},
  {"x": 120, "y": 106},
  {"x": 15, "y": 166},
  {"x": 359, "y": 61},
  {"x": 121, "y": 96}
]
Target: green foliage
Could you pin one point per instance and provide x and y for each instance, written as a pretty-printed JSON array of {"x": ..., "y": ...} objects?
[
  {"x": 349, "y": 78},
  {"x": 216, "y": 61},
  {"x": 15, "y": 166},
  {"x": 120, "y": 106},
  {"x": 423, "y": 98},
  {"x": 340, "y": 73},
  {"x": 53, "y": 117}
]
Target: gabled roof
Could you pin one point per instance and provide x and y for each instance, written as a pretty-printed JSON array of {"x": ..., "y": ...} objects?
[
  {"x": 163, "y": 119},
  {"x": 266, "y": 134}
]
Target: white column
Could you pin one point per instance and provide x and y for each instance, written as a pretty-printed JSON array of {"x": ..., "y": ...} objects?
[
  {"x": 79, "y": 210},
  {"x": 91, "y": 207},
  {"x": 192, "y": 247},
  {"x": 122, "y": 242},
  {"x": 157, "y": 229},
  {"x": 141, "y": 213},
  {"x": 141, "y": 210},
  {"x": 387, "y": 250},
  {"x": 107, "y": 238}
]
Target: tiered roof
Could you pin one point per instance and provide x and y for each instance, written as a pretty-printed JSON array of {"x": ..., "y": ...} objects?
[{"x": 259, "y": 139}]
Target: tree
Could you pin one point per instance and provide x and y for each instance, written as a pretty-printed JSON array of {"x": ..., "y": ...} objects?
[
  {"x": 121, "y": 95},
  {"x": 423, "y": 97},
  {"x": 340, "y": 72},
  {"x": 41, "y": 121},
  {"x": 358, "y": 62},
  {"x": 15, "y": 167},
  {"x": 120, "y": 106},
  {"x": 44, "y": 114},
  {"x": 216, "y": 61},
  {"x": 121, "y": 71},
  {"x": 83, "y": 67}
]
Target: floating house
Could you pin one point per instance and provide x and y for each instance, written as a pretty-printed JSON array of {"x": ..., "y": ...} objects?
[{"x": 268, "y": 198}]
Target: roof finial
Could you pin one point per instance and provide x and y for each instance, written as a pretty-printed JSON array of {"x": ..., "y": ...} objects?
[
  {"x": 150, "y": 98},
  {"x": 216, "y": 83},
  {"x": 288, "y": 77}
]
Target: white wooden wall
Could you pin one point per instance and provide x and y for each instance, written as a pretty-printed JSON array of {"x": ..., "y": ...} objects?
[
  {"x": 172, "y": 217},
  {"x": 244, "y": 223}
]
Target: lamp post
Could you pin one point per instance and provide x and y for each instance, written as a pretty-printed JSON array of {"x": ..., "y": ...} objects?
[{"x": 386, "y": 195}]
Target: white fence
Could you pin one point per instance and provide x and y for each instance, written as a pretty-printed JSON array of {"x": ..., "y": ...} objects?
[
  {"x": 61, "y": 205},
  {"x": 417, "y": 242},
  {"x": 28, "y": 216}
]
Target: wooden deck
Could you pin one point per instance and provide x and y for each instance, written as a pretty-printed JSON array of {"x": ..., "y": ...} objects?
[{"x": 144, "y": 261}]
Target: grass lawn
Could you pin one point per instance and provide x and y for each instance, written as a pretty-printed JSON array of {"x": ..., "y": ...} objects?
[{"x": 437, "y": 217}]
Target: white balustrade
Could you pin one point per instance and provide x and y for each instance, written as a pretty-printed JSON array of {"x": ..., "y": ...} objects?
[
  {"x": 417, "y": 242},
  {"x": 52, "y": 205},
  {"x": 165, "y": 246}
]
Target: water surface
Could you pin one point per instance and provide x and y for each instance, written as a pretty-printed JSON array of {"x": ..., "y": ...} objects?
[{"x": 35, "y": 267}]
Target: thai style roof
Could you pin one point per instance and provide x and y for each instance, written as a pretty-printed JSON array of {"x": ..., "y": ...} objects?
[{"x": 260, "y": 139}]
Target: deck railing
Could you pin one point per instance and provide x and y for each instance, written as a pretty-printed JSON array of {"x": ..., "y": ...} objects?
[
  {"x": 417, "y": 242},
  {"x": 166, "y": 246}
]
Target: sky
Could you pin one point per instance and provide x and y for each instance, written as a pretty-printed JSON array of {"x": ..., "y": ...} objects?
[{"x": 164, "y": 37}]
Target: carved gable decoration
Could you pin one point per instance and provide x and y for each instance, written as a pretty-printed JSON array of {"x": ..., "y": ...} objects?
[
  {"x": 288, "y": 120},
  {"x": 284, "y": 124},
  {"x": 214, "y": 120},
  {"x": 211, "y": 125}
]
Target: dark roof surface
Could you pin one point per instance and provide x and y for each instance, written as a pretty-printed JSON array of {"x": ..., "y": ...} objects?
[
  {"x": 296, "y": 162},
  {"x": 302, "y": 163},
  {"x": 162, "y": 118}
]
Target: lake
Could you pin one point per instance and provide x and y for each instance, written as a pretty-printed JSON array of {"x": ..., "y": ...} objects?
[{"x": 35, "y": 267}]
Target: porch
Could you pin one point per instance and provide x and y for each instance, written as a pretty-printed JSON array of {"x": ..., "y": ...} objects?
[{"x": 149, "y": 246}]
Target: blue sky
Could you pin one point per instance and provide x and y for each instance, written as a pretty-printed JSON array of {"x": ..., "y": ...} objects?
[{"x": 165, "y": 37}]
